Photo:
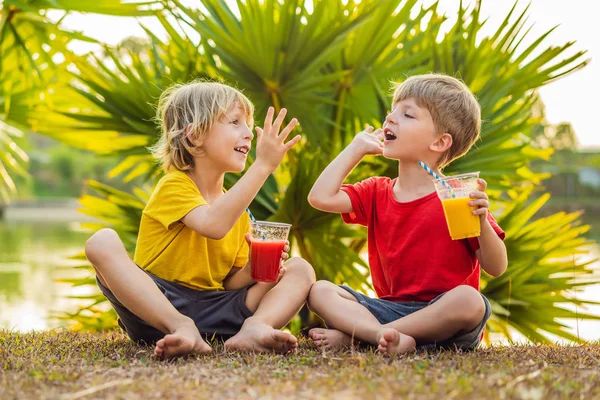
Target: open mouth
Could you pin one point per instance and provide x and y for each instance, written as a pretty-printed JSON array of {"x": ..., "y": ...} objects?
[
  {"x": 389, "y": 135},
  {"x": 243, "y": 150}
]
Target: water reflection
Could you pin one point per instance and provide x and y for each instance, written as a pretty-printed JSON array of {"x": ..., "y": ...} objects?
[{"x": 30, "y": 254}]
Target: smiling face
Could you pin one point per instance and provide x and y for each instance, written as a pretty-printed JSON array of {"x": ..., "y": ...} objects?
[
  {"x": 409, "y": 132},
  {"x": 228, "y": 142}
]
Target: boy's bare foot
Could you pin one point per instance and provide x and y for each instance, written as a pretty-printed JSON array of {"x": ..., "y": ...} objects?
[
  {"x": 258, "y": 337},
  {"x": 184, "y": 340},
  {"x": 393, "y": 342},
  {"x": 329, "y": 339}
]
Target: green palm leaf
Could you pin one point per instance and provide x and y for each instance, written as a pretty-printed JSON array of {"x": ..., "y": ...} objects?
[
  {"x": 545, "y": 271},
  {"x": 109, "y": 7}
]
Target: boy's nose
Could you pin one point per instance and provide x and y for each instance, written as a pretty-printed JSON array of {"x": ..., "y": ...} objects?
[
  {"x": 248, "y": 134},
  {"x": 389, "y": 119}
]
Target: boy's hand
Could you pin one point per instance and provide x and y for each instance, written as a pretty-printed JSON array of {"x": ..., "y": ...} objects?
[
  {"x": 369, "y": 141},
  {"x": 284, "y": 256},
  {"x": 270, "y": 146},
  {"x": 480, "y": 200},
  {"x": 285, "y": 253}
]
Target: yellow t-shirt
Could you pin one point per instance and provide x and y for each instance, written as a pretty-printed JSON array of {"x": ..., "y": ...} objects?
[{"x": 172, "y": 251}]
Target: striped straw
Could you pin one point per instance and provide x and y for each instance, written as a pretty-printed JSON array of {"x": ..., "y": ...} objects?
[
  {"x": 436, "y": 176},
  {"x": 256, "y": 223}
]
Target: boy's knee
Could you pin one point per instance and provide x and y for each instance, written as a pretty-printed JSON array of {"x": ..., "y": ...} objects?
[
  {"x": 302, "y": 271},
  {"x": 470, "y": 305},
  {"x": 99, "y": 242},
  {"x": 319, "y": 290}
]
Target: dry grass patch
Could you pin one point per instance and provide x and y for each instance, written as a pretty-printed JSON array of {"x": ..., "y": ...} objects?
[{"x": 68, "y": 365}]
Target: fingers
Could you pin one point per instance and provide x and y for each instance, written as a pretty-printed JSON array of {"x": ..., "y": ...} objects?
[
  {"x": 269, "y": 119},
  {"x": 482, "y": 184},
  {"x": 248, "y": 237},
  {"x": 279, "y": 121},
  {"x": 379, "y": 134},
  {"x": 288, "y": 129},
  {"x": 259, "y": 133},
  {"x": 479, "y": 195},
  {"x": 480, "y": 203},
  {"x": 285, "y": 254},
  {"x": 369, "y": 129},
  {"x": 292, "y": 142},
  {"x": 480, "y": 211}
]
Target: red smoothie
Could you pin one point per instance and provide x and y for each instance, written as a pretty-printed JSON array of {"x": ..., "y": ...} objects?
[{"x": 266, "y": 259}]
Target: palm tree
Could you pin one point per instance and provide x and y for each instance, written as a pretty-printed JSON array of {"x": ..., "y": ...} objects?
[
  {"x": 30, "y": 47},
  {"x": 330, "y": 66}
]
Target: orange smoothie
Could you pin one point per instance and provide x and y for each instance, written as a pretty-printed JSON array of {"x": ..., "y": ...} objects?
[{"x": 460, "y": 219}]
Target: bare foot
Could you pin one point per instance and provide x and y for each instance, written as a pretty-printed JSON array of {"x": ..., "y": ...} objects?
[
  {"x": 184, "y": 340},
  {"x": 393, "y": 342},
  {"x": 329, "y": 339},
  {"x": 258, "y": 337}
]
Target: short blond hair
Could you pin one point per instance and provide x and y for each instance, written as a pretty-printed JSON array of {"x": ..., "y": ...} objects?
[
  {"x": 189, "y": 111},
  {"x": 453, "y": 108}
]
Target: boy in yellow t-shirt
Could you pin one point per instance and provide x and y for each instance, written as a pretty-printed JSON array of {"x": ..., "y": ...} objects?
[{"x": 193, "y": 273}]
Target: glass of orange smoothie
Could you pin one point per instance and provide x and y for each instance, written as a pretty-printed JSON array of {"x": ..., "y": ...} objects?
[{"x": 454, "y": 193}]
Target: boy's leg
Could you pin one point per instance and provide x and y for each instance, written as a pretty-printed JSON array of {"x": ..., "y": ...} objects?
[
  {"x": 342, "y": 311},
  {"x": 274, "y": 305},
  {"x": 140, "y": 295},
  {"x": 458, "y": 311}
]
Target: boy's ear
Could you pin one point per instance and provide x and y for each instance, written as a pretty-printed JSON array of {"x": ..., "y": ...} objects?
[
  {"x": 196, "y": 142},
  {"x": 442, "y": 143}
]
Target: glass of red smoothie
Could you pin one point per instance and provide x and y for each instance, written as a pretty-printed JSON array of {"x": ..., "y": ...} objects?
[{"x": 266, "y": 246}]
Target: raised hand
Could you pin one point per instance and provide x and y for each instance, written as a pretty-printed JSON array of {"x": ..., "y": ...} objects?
[
  {"x": 270, "y": 144},
  {"x": 369, "y": 141}
]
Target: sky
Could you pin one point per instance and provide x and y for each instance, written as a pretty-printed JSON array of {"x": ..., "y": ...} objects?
[{"x": 570, "y": 99}]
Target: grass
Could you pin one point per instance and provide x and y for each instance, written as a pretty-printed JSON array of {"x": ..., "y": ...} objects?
[{"x": 69, "y": 365}]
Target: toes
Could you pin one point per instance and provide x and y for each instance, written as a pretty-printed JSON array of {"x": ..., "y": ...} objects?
[
  {"x": 293, "y": 339},
  {"x": 391, "y": 335},
  {"x": 316, "y": 331},
  {"x": 281, "y": 336}
]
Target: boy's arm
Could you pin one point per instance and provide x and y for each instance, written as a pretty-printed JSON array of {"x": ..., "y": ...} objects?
[
  {"x": 492, "y": 251},
  {"x": 215, "y": 220},
  {"x": 326, "y": 194},
  {"x": 238, "y": 278}
]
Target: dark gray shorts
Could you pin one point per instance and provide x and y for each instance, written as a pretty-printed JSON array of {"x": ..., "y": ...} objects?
[
  {"x": 388, "y": 311},
  {"x": 215, "y": 313}
]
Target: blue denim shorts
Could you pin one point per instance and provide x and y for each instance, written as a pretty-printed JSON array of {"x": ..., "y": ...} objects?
[{"x": 388, "y": 311}]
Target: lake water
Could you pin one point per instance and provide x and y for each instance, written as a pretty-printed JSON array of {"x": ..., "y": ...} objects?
[{"x": 33, "y": 247}]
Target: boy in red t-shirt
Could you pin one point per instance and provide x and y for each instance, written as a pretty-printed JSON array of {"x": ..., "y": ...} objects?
[{"x": 427, "y": 284}]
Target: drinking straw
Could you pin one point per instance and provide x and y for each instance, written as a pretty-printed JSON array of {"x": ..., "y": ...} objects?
[
  {"x": 257, "y": 224},
  {"x": 436, "y": 176}
]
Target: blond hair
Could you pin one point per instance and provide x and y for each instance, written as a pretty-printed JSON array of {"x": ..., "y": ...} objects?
[
  {"x": 452, "y": 106},
  {"x": 186, "y": 113}
]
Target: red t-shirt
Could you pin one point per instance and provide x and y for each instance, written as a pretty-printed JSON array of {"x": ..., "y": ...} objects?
[{"x": 411, "y": 254}]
